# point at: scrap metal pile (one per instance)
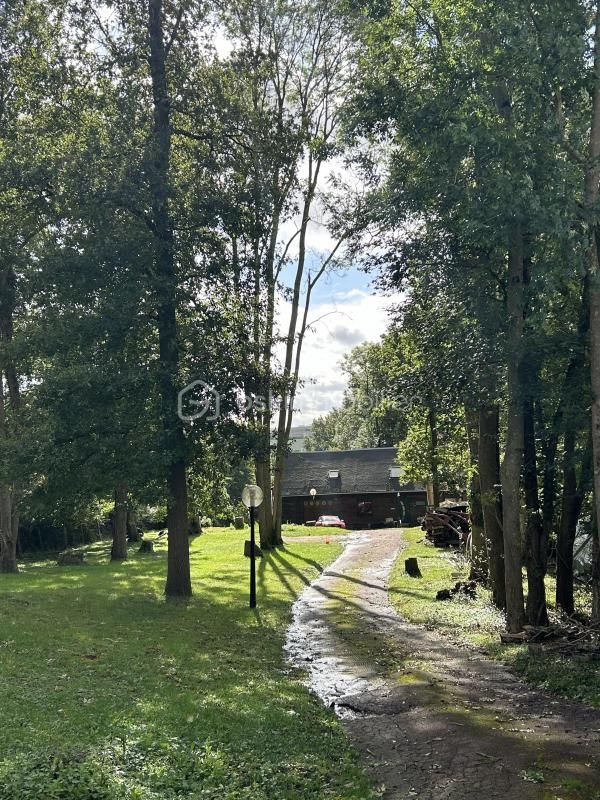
(448, 525)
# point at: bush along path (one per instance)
(433, 720)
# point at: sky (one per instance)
(345, 308)
(347, 311)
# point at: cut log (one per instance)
(513, 638)
(70, 558)
(411, 565)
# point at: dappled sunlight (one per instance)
(95, 654)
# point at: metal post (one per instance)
(252, 561)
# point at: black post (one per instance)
(252, 561)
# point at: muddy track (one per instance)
(432, 720)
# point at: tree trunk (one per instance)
(179, 582)
(489, 479)
(592, 177)
(549, 467)
(595, 570)
(572, 501)
(433, 456)
(9, 399)
(595, 374)
(513, 454)
(9, 510)
(565, 409)
(178, 565)
(291, 366)
(536, 542)
(265, 511)
(479, 557)
(133, 531)
(567, 527)
(9, 527)
(119, 543)
(278, 476)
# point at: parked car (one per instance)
(328, 521)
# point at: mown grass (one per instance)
(478, 623)
(311, 530)
(108, 691)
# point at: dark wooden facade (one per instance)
(360, 486)
(351, 508)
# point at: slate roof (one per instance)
(360, 472)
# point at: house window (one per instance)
(365, 508)
(334, 481)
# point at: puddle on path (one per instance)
(450, 732)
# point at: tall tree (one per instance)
(165, 286)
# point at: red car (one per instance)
(330, 522)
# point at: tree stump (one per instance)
(70, 558)
(134, 534)
(411, 565)
(146, 546)
(257, 550)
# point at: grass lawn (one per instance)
(478, 622)
(311, 530)
(109, 692)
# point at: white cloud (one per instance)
(338, 325)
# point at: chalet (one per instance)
(363, 487)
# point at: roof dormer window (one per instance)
(333, 480)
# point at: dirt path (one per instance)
(432, 720)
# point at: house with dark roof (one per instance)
(363, 487)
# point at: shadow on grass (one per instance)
(94, 659)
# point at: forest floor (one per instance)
(433, 719)
(108, 692)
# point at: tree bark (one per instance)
(595, 375)
(119, 543)
(564, 412)
(572, 501)
(265, 510)
(489, 479)
(595, 571)
(133, 531)
(178, 564)
(591, 187)
(9, 399)
(513, 454)
(549, 467)
(433, 455)
(479, 556)
(9, 527)
(291, 365)
(536, 557)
